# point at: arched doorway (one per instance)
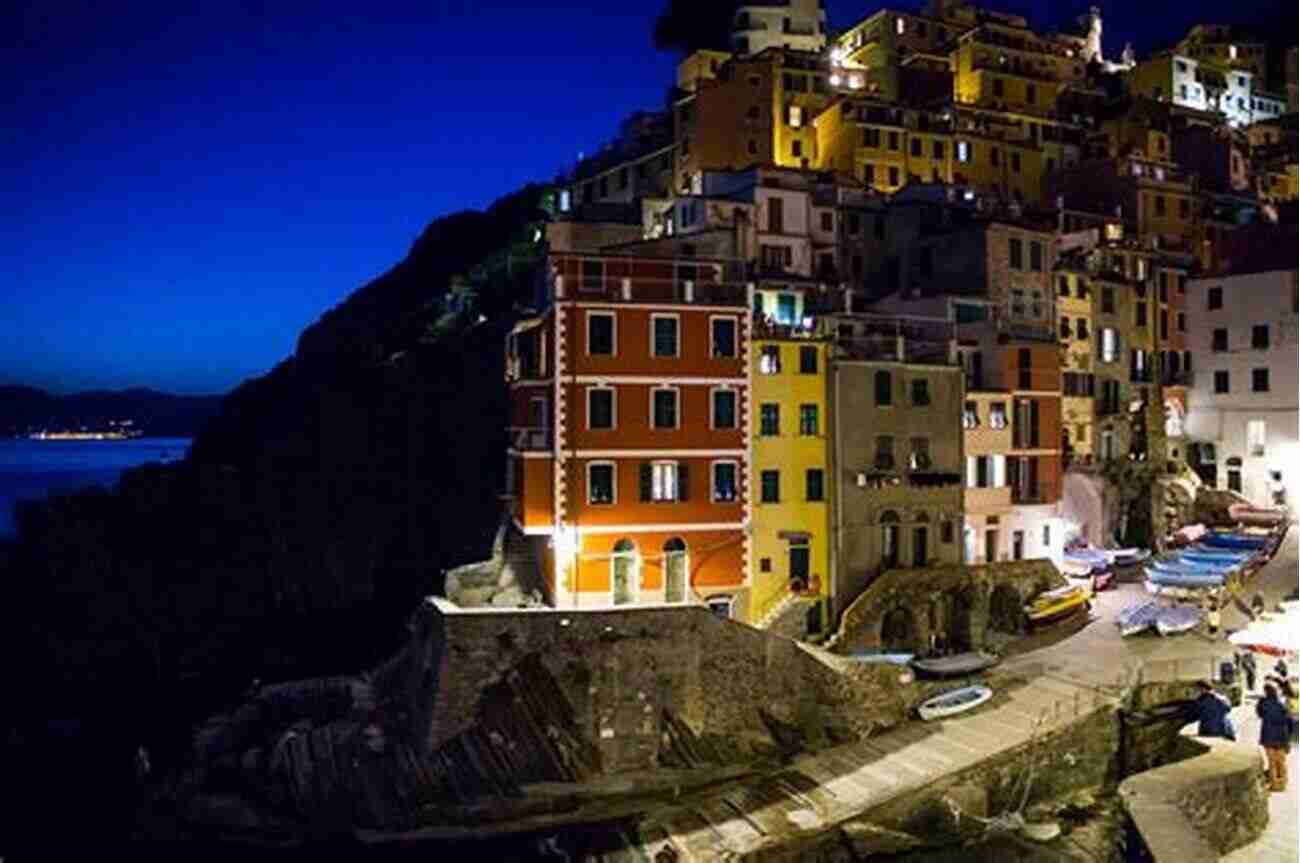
(898, 630)
(921, 541)
(959, 614)
(675, 569)
(1005, 614)
(625, 573)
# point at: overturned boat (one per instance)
(1137, 618)
(957, 664)
(1057, 604)
(1177, 619)
(954, 701)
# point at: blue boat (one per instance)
(1176, 619)
(1215, 555)
(1177, 579)
(1234, 541)
(1193, 567)
(1137, 618)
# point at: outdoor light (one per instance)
(835, 80)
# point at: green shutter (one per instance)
(683, 481)
(647, 482)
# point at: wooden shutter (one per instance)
(647, 481)
(683, 481)
(1033, 422)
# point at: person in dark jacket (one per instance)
(1212, 711)
(1274, 735)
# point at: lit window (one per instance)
(998, 415)
(970, 416)
(663, 482)
(600, 483)
(769, 362)
(963, 151)
(1109, 345)
(724, 481)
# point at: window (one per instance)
(1047, 536)
(593, 275)
(1259, 380)
(667, 483)
(765, 564)
(769, 362)
(600, 408)
(808, 420)
(869, 174)
(796, 148)
(998, 415)
(1081, 329)
(1160, 205)
(893, 175)
(600, 334)
(963, 151)
(884, 389)
(884, 452)
(775, 216)
(664, 342)
(1109, 344)
(1108, 300)
(769, 421)
(893, 141)
(916, 147)
(600, 483)
(998, 87)
(1221, 383)
(770, 481)
(814, 484)
(937, 150)
(920, 392)
(1234, 479)
(1140, 314)
(724, 409)
(1063, 283)
(1182, 322)
(1036, 256)
(1259, 337)
(1219, 340)
(807, 360)
(1065, 328)
(946, 531)
(1015, 162)
(724, 337)
(970, 416)
(889, 539)
(1256, 437)
(995, 156)
(724, 481)
(1214, 299)
(828, 220)
(664, 408)
(919, 459)
(1164, 324)
(1017, 252)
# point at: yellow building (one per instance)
(883, 145)
(791, 484)
(1074, 313)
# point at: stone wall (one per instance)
(622, 669)
(902, 608)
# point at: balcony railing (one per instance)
(640, 290)
(530, 438)
(1028, 495)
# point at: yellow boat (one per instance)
(1056, 604)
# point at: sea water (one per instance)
(35, 468)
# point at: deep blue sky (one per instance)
(185, 189)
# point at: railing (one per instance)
(529, 438)
(1033, 495)
(766, 329)
(641, 290)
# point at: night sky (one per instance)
(187, 186)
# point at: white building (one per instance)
(1202, 86)
(1242, 333)
(797, 24)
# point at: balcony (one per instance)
(765, 328)
(875, 478)
(529, 438)
(685, 291)
(1028, 496)
(990, 498)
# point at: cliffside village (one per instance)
(911, 295)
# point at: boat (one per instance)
(1259, 516)
(1175, 579)
(1234, 541)
(1055, 604)
(1177, 567)
(1075, 569)
(959, 663)
(881, 658)
(1169, 592)
(1211, 555)
(1189, 534)
(1086, 557)
(1128, 556)
(1137, 618)
(1177, 619)
(954, 701)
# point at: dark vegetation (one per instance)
(24, 409)
(315, 509)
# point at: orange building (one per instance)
(629, 403)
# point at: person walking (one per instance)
(1212, 713)
(1274, 736)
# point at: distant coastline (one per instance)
(27, 412)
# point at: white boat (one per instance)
(1137, 618)
(1176, 619)
(954, 701)
(1127, 556)
(959, 663)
